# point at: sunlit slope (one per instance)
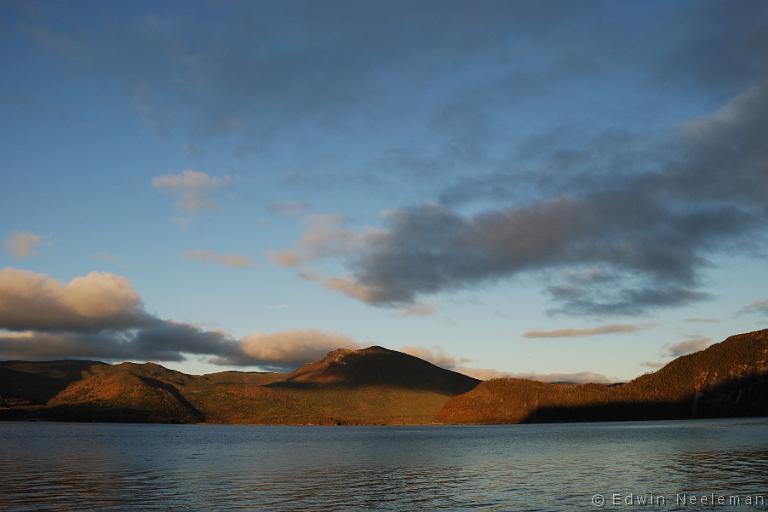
(380, 386)
(727, 379)
(369, 386)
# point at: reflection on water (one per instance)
(58, 466)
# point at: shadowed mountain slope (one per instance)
(380, 386)
(369, 386)
(725, 380)
(377, 366)
(36, 382)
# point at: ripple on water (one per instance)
(59, 466)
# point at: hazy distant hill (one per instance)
(381, 386)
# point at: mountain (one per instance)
(380, 386)
(377, 366)
(34, 383)
(728, 379)
(367, 386)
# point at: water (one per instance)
(66, 466)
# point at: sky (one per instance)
(550, 189)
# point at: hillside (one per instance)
(380, 386)
(725, 380)
(377, 366)
(368, 386)
(34, 383)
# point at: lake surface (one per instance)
(68, 466)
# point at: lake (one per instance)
(70, 466)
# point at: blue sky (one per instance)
(254, 183)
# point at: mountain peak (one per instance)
(376, 365)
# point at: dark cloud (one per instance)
(756, 307)
(160, 341)
(648, 234)
(100, 316)
(255, 70)
(258, 69)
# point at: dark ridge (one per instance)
(376, 366)
(36, 382)
(171, 390)
(381, 386)
(735, 398)
(727, 379)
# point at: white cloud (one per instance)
(290, 349)
(435, 355)
(420, 309)
(94, 301)
(192, 189)
(228, 260)
(594, 331)
(577, 378)
(22, 245)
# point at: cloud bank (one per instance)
(575, 378)
(632, 240)
(101, 316)
(577, 333)
(439, 357)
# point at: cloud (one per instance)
(757, 307)
(285, 258)
(693, 344)
(22, 245)
(594, 331)
(324, 236)
(228, 260)
(702, 320)
(157, 341)
(423, 309)
(576, 378)
(192, 189)
(653, 365)
(648, 231)
(435, 355)
(439, 357)
(287, 350)
(288, 208)
(101, 316)
(351, 288)
(98, 300)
